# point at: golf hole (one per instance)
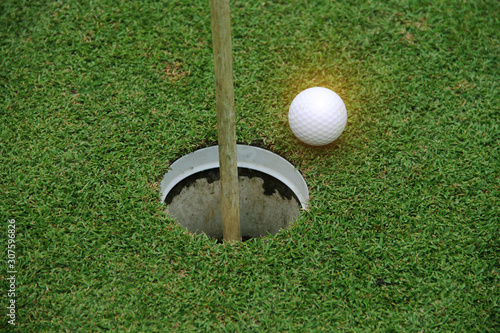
(272, 192)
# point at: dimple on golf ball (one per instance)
(317, 116)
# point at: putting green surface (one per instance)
(98, 98)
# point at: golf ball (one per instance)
(317, 116)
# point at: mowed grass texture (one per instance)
(98, 98)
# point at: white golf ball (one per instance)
(317, 116)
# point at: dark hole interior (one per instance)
(271, 187)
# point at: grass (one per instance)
(402, 231)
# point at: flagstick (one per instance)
(223, 63)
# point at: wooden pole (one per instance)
(226, 123)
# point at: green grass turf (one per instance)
(97, 98)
